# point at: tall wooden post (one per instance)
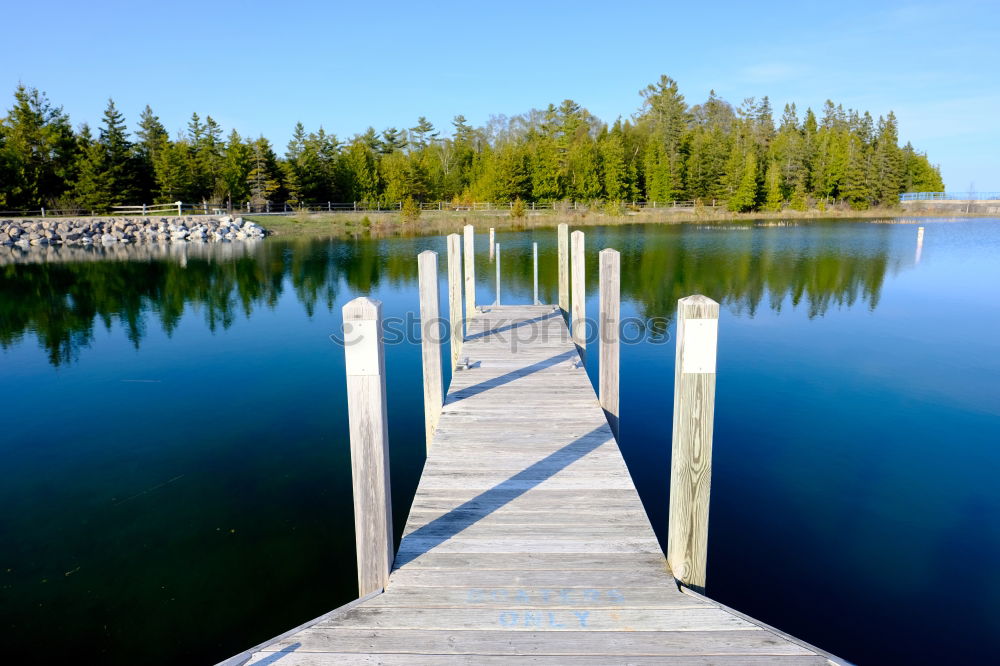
(609, 324)
(470, 271)
(455, 296)
(563, 242)
(920, 244)
(578, 322)
(430, 340)
(364, 358)
(691, 450)
(534, 263)
(492, 242)
(498, 274)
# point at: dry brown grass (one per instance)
(385, 224)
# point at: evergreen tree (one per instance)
(117, 163)
(92, 189)
(236, 168)
(38, 151)
(745, 197)
(774, 196)
(667, 116)
(263, 182)
(173, 170)
(151, 136)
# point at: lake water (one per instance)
(176, 477)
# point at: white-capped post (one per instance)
(562, 233)
(578, 322)
(691, 449)
(455, 296)
(470, 270)
(609, 325)
(364, 358)
(430, 340)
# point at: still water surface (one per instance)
(176, 477)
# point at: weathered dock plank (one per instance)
(526, 540)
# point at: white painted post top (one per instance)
(362, 336)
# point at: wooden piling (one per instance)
(563, 258)
(691, 457)
(498, 273)
(456, 320)
(609, 324)
(578, 322)
(534, 263)
(430, 340)
(364, 358)
(492, 242)
(920, 244)
(470, 271)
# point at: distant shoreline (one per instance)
(382, 224)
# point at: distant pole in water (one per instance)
(364, 359)
(470, 271)
(492, 242)
(498, 274)
(562, 232)
(578, 323)
(920, 244)
(430, 340)
(609, 325)
(691, 449)
(534, 255)
(455, 296)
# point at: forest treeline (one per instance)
(667, 151)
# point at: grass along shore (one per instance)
(379, 225)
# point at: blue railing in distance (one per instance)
(950, 196)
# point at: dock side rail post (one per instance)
(609, 328)
(430, 340)
(455, 317)
(691, 448)
(534, 263)
(578, 322)
(563, 259)
(470, 270)
(364, 360)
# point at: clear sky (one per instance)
(262, 66)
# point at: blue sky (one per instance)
(260, 67)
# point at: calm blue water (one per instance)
(176, 465)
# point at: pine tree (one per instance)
(262, 182)
(774, 196)
(236, 167)
(422, 133)
(173, 169)
(667, 116)
(92, 188)
(151, 136)
(745, 197)
(118, 162)
(39, 151)
(613, 170)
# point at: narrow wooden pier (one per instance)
(526, 540)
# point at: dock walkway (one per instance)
(526, 540)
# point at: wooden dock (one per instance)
(526, 540)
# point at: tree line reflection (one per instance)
(59, 298)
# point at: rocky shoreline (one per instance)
(125, 230)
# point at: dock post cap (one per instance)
(362, 307)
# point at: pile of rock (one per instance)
(108, 231)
